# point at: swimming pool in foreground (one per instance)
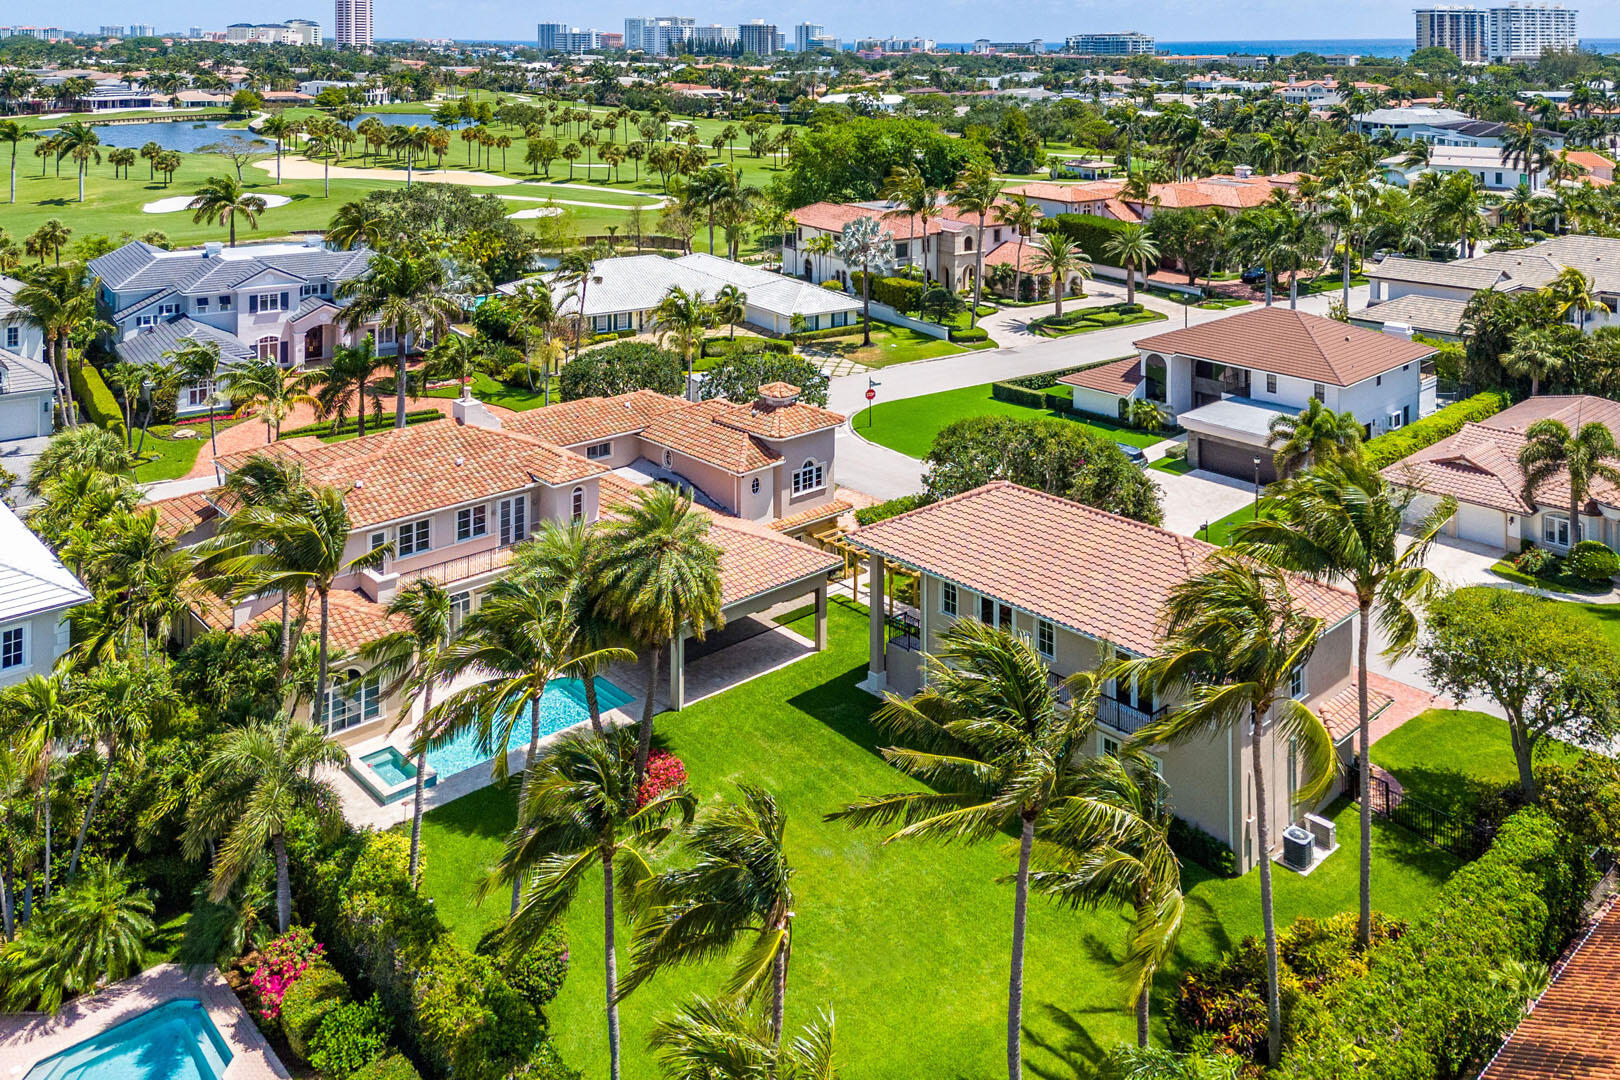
(561, 707)
(173, 1041)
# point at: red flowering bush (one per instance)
(281, 962)
(665, 772)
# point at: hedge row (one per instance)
(1090, 231)
(720, 346)
(1042, 380)
(97, 398)
(352, 425)
(1435, 1003)
(867, 515)
(970, 334)
(902, 294)
(830, 332)
(1190, 842)
(1392, 446)
(1013, 394)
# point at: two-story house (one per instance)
(1088, 587)
(27, 384)
(36, 591)
(1226, 380)
(268, 300)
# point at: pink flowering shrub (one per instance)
(665, 772)
(281, 962)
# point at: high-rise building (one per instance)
(112, 31)
(635, 33)
(291, 32)
(1128, 44)
(1522, 32)
(807, 36)
(546, 36)
(895, 45)
(713, 38)
(194, 32)
(142, 30)
(351, 24)
(663, 35)
(574, 40)
(1461, 30)
(303, 32)
(759, 37)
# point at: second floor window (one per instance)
(13, 337)
(1296, 682)
(1319, 392)
(13, 648)
(947, 599)
(809, 477)
(1271, 383)
(414, 538)
(599, 450)
(1045, 638)
(514, 519)
(270, 301)
(471, 521)
(577, 507)
(202, 305)
(224, 303)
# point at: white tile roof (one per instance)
(639, 282)
(32, 580)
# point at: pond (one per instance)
(187, 136)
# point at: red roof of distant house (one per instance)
(1120, 377)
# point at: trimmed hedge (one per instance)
(1090, 231)
(720, 346)
(388, 1067)
(1190, 842)
(1013, 394)
(97, 398)
(868, 515)
(970, 334)
(316, 992)
(1042, 380)
(1433, 1004)
(1392, 446)
(902, 294)
(351, 425)
(832, 331)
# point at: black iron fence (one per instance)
(1436, 827)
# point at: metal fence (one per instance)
(1436, 827)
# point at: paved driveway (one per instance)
(1193, 500)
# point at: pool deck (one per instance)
(26, 1039)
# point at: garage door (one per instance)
(19, 418)
(1482, 525)
(1234, 459)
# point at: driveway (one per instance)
(1193, 500)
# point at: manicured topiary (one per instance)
(351, 1036)
(318, 991)
(1593, 561)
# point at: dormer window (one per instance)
(809, 477)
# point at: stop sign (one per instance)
(870, 394)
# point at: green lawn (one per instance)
(890, 345)
(1087, 326)
(491, 392)
(1452, 758)
(167, 459)
(1178, 465)
(910, 424)
(1559, 581)
(907, 942)
(1219, 532)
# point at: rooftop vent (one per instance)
(778, 394)
(212, 249)
(1243, 172)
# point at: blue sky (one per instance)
(950, 20)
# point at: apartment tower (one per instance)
(352, 24)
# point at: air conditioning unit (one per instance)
(1392, 421)
(1298, 848)
(1324, 832)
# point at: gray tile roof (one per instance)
(1428, 314)
(31, 578)
(1466, 274)
(148, 346)
(139, 266)
(639, 282)
(24, 375)
(8, 292)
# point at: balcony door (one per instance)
(1132, 692)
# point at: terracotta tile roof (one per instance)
(1120, 377)
(1103, 575)
(694, 431)
(1292, 343)
(1090, 191)
(1573, 1030)
(778, 421)
(1226, 192)
(400, 472)
(353, 620)
(572, 423)
(1341, 713)
(1589, 160)
(182, 514)
(832, 217)
(1008, 254)
(812, 515)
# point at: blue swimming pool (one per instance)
(562, 707)
(174, 1041)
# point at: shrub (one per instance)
(1593, 561)
(1434, 1004)
(307, 1001)
(1535, 561)
(665, 772)
(97, 399)
(1190, 842)
(1091, 231)
(620, 369)
(902, 294)
(721, 346)
(970, 334)
(522, 375)
(832, 285)
(1392, 446)
(537, 974)
(281, 962)
(1018, 395)
(1044, 379)
(868, 515)
(495, 321)
(352, 425)
(351, 1035)
(469, 1021)
(388, 1067)
(546, 1065)
(739, 378)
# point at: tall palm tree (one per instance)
(908, 188)
(407, 662)
(282, 130)
(342, 383)
(1055, 255)
(531, 304)
(576, 273)
(990, 739)
(976, 192)
(739, 887)
(1023, 216)
(1110, 844)
(260, 381)
(682, 315)
(659, 576)
(579, 806)
(1573, 291)
(867, 248)
(11, 131)
(1525, 146)
(195, 360)
(58, 300)
(402, 290)
(78, 140)
(1553, 453)
(1341, 521)
(41, 715)
(1132, 247)
(257, 779)
(1233, 637)
(729, 308)
(721, 1040)
(1264, 235)
(1316, 434)
(223, 199)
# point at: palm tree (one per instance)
(257, 779)
(41, 716)
(730, 307)
(195, 360)
(1055, 255)
(531, 304)
(714, 194)
(1112, 846)
(1525, 146)
(457, 356)
(721, 1040)
(13, 132)
(95, 934)
(1573, 291)
(580, 806)
(1552, 453)
(1263, 235)
(1341, 521)
(989, 738)
(407, 661)
(1132, 247)
(976, 192)
(402, 290)
(1023, 216)
(280, 129)
(58, 301)
(683, 316)
(356, 224)
(78, 140)
(659, 576)
(222, 199)
(261, 480)
(868, 248)
(343, 383)
(576, 273)
(1316, 434)
(738, 887)
(261, 383)
(1233, 638)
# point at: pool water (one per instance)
(174, 1041)
(391, 766)
(561, 707)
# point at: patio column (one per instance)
(677, 672)
(821, 617)
(876, 666)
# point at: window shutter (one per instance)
(283, 301)
(253, 303)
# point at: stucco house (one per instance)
(1088, 587)
(1227, 379)
(27, 384)
(36, 592)
(1479, 467)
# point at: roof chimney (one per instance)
(1243, 172)
(777, 395)
(1400, 330)
(212, 249)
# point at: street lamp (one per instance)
(1257, 489)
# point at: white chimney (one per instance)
(1397, 329)
(212, 249)
(1243, 172)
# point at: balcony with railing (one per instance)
(461, 567)
(1125, 717)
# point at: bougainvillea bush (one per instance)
(665, 772)
(281, 962)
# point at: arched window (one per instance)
(668, 459)
(268, 348)
(967, 243)
(808, 478)
(1157, 379)
(579, 504)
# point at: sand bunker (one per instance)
(176, 203)
(537, 212)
